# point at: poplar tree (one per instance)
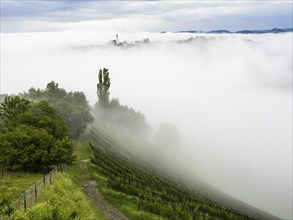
(103, 87)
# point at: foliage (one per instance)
(42, 115)
(10, 109)
(103, 87)
(73, 107)
(5, 208)
(33, 137)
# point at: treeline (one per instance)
(110, 111)
(37, 128)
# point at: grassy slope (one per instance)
(65, 199)
(14, 183)
(128, 205)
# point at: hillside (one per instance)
(157, 192)
(116, 171)
(129, 183)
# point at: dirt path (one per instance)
(90, 187)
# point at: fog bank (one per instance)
(230, 96)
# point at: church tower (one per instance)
(117, 40)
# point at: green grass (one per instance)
(75, 174)
(126, 204)
(13, 184)
(63, 200)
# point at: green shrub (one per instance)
(5, 208)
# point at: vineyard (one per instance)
(156, 193)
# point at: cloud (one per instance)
(172, 15)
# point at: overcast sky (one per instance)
(152, 16)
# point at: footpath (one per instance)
(90, 188)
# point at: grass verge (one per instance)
(62, 200)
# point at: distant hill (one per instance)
(220, 32)
(274, 30)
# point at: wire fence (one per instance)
(31, 194)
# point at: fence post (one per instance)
(50, 178)
(36, 192)
(24, 200)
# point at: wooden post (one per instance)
(24, 201)
(36, 192)
(50, 178)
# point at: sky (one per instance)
(149, 16)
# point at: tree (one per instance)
(76, 117)
(103, 87)
(35, 138)
(53, 91)
(10, 109)
(73, 107)
(42, 115)
(30, 148)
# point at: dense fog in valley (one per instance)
(228, 97)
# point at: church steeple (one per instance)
(117, 40)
